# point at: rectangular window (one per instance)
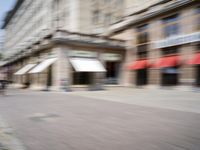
(142, 51)
(108, 19)
(171, 30)
(142, 36)
(142, 28)
(142, 41)
(169, 51)
(198, 18)
(171, 26)
(95, 17)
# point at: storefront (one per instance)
(165, 37)
(169, 70)
(23, 73)
(85, 64)
(141, 68)
(42, 73)
(85, 70)
(112, 62)
(170, 76)
(68, 63)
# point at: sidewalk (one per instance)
(180, 100)
(7, 138)
(167, 98)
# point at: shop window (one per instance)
(112, 69)
(169, 51)
(82, 78)
(171, 26)
(170, 76)
(142, 77)
(198, 47)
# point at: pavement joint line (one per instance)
(8, 141)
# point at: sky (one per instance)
(5, 5)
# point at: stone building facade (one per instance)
(31, 20)
(157, 44)
(63, 60)
(163, 44)
(37, 57)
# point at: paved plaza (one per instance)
(114, 119)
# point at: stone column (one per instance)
(62, 69)
(34, 77)
(127, 77)
(155, 34)
(98, 77)
(187, 72)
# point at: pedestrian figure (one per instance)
(2, 87)
(3, 83)
(65, 85)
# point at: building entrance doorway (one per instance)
(197, 75)
(81, 78)
(112, 72)
(169, 76)
(141, 77)
(49, 77)
(27, 82)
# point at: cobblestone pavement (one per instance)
(104, 120)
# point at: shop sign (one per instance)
(178, 40)
(111, 57)
(84, 54)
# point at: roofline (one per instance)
(11, 13)
(53, 41)
(150, 15)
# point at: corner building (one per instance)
(50, 45)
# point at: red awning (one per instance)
(169, 61)
(195, 60)
(139, 64)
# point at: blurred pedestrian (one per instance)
(3, 83)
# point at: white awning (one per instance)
(25, 69)
(87, 65)
(43, 65)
